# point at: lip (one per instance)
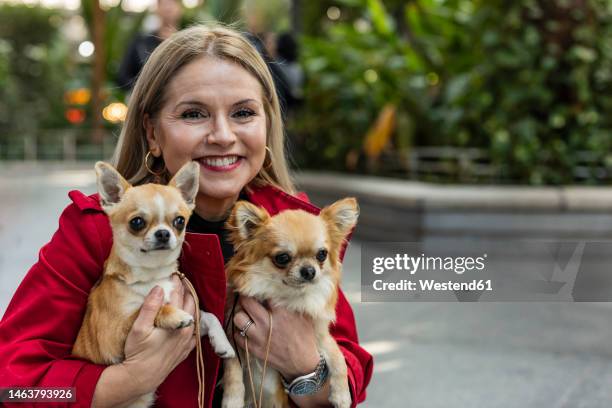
(297, 284)
(155, 248)
(207, 162)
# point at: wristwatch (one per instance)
(308, 384)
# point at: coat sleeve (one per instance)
(44, 316)
(358, 361)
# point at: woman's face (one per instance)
(213, 114)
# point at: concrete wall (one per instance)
(398, 210)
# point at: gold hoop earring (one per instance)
(269, 158)
(146, 163)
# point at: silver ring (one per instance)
(243, 331)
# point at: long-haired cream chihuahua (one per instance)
(148, 223)
(289, 260)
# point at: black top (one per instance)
(202, 226)
(199, 225)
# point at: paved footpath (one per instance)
(429, 355)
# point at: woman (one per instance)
(206, 95)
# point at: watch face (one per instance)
(306, 387)
(311, 385)
(308, 384)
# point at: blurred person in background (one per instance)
(281, 82)
(169, 13)
(286, 54)
(260, 36)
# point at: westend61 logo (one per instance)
(412, 264)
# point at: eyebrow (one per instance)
(198, 103)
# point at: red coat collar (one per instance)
(269, 197)
(275, 200)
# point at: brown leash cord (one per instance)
(265, 364)
(199, 354)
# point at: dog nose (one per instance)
(162, 235)
(307, 272)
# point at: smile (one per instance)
(220, 163)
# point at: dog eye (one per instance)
(179, 223)
(281, 260)
(322, 255)
(137, 223)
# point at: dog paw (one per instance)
(233, 401)
(172, 318)
(177, 320)
(226, 353)
(185, 323)
(183, 319)
(222, 347)
(340, 398)
(218, 339)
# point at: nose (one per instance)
(222, 133)
(307, 273)
(162, 236)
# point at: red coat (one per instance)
(43, 318)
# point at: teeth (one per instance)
(222, 161)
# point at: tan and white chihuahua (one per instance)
(148, 224)
(289, 260)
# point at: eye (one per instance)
(243, 113)
(282, 260)
(179, 223)
(322, 255)
(192, 114)
(137, 224)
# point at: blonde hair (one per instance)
(148, 97)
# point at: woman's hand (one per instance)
(151, 353)
(293, 348)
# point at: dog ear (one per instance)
(246, 218)
(186, 180)
(111, 185)
(342, 215)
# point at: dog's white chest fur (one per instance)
(143, 288)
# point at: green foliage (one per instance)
(225, 11)
(354, 70)
(529, 81)
(538, 88)
(120, 28)
(31, 69)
